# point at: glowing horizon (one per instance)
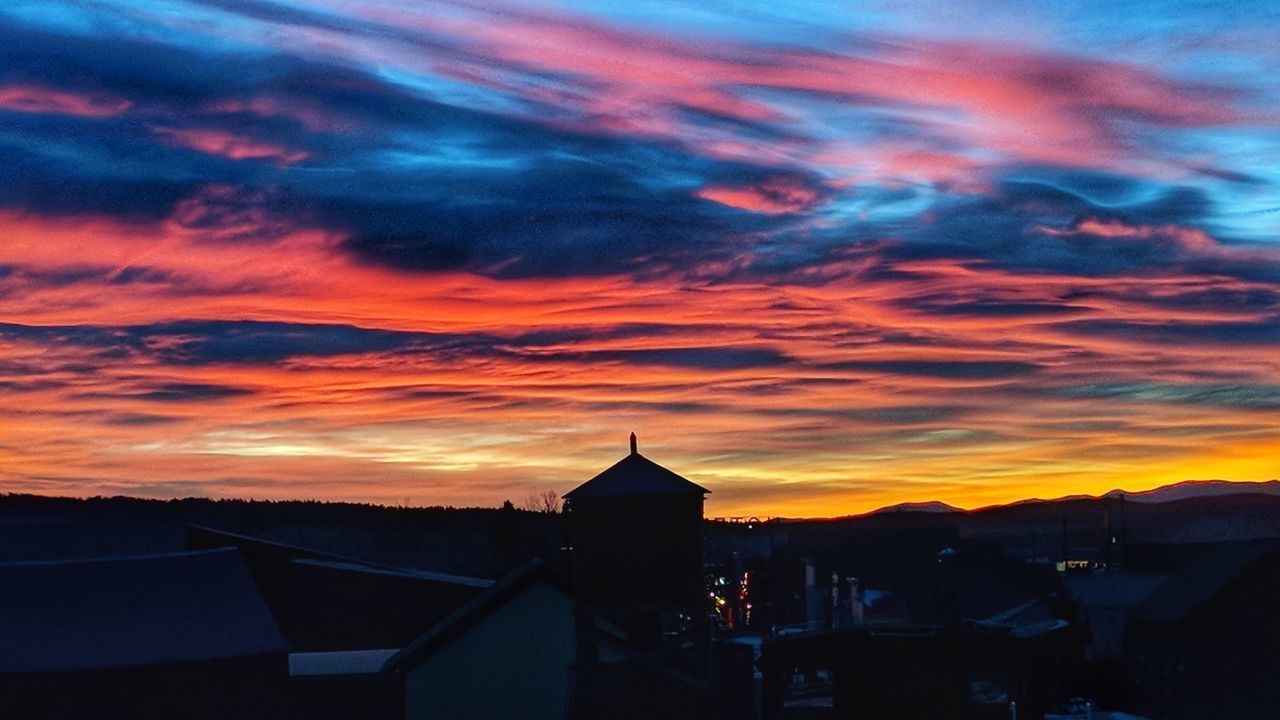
(447, 253)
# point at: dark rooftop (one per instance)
(407, 574)
(1113, 590)
(465, 617)
(636, 474)
(128, 612)
(1193, 585)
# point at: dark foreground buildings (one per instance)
(637, 607)
(165, 636)
(1206, 642)
(620, 632)
(635, 542)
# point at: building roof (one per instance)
(343, 662)
(1104, 603)
(128, 612)
(1206, 576)
(200, 537)
(1113, 590)
(404, 574)
(635, 474)
(467, 616)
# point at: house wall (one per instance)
(512, 664)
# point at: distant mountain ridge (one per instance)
(1200, 488)
(1185, 490)
(1200, 511)
(934, 506)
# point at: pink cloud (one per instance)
(1004, 103)
(312, 118)
(1192, 240)
(229, 145)
(775, 196)
(38, 99)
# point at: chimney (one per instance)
(633, 444)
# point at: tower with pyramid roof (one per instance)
(636, 534)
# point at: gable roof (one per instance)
(127, 612)
(1193, 585)
(341, 662)
(635, 474)
(480, 607)
(361, 568)
(257, 549)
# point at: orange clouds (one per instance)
(446, 251)
(884, 398)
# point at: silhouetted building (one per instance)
(1206, 643)
(163, 636)
(509, 653)
(1102, 604)
(917, 672)
(643, 611)
(325, 602)
(636, 534)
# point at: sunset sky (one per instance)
(820, 257)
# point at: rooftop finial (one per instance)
(633, 444)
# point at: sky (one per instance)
(820, 257)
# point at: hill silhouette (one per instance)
(485, 542)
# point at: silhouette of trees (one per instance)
(542, 501)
